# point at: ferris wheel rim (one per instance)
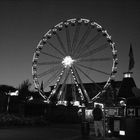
(59, 26)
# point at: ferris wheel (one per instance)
(71, 54)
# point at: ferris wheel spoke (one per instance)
(63, 85)
(56, 86)
(49, 43)
(49, 63)
(45, 53)
(89, 44)
(81, 83)
(68, 40)
(95, 50)
(76, 81)
(83, 39)
(52, 78)
(90, 68)
(49, 71)
(61, 43)
(89, 77)
(95, 59)
(73, 89)
(76, 36)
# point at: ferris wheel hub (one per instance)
(68, 61)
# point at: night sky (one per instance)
(24, 22)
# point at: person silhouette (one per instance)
(98, 123)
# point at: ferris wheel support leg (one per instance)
(82, 86)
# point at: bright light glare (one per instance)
(31, 98)
(109, 131)
(67, 61)
(122, 132)
(76, 103)
(127, 74)
(13, 93)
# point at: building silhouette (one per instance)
(127, 84)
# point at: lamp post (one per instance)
(9, 94)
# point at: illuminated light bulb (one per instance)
(76, 103)
(109, 131)
(48, 36)
(53, 91)
(122, 132)
(99, 28)
(127, 74)
(66, 24)
(104, 33)
(62, 103)
(71, 71)
(48, 101)
(68, 61)
(54, 30)
(113, 45)
(45, 101)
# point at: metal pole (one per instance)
(8, 104)
(104, 126)
(83, 113)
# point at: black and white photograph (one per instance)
(69, 69)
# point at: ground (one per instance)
(52, 132)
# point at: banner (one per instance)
(131, 58)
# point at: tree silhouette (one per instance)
(6, 88)
(24, 90)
